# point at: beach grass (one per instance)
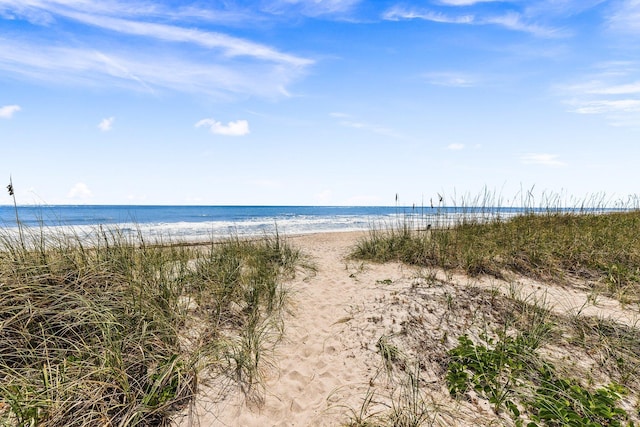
(119, 331)
(598, 249)
(532, 366)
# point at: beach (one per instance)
(328, 369)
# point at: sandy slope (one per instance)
(328, 360)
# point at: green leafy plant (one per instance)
(492, 372)
(511, 376)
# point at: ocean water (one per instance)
(205, 222)
(202, 222)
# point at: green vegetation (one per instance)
(117, 331)
(600, 249)
(511, 376)
(532, 367)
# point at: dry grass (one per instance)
(507, 357)
(93, 333)
(601, 249)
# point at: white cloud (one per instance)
(347, 120)
(450, 79)
(8, 111)
(613, 92)
(315, 7)
(144, 70)
(624, 89)
(560, 8)
(465, 2)
(230, 46)
(608, 106)
(45, 10)
(90, 14)
(80, 191)
(455, 147)
(178, 56)
(106, 124)
(542, 159)
(370, 128)
(626, 17)
(511, 21)
(398, 13)
(235, 128)
(514, 21)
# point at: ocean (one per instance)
(201, 222)
(206, 222)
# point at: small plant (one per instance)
(511, 376)
(363, 416)
(389, 352)
(560, 402)
(492, 372)
(409, 408)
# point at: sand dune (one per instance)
(329, 360)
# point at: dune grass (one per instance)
(531, 366)
(600, 249)
(118, 331)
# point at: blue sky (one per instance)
(317, 102)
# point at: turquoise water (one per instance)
(203, 221)
(195, 222)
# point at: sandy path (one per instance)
(325, 362)
(328, 358)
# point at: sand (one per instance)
(328, 360)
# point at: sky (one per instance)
(318, 102)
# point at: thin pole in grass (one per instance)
(15, 208)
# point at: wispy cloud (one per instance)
(613, 92)
(511, 20)
(45, 11)
(8, 111)
(228, 45)
(398, 13)
(604, 106)
(451, 79)
(313, 7)
(516, 22)
(144, 71)
(177, 54)
(465, 2)
(349, 121)
(455, 147)
(542, 159)
(80, 191)
(106, 124)
(625, 16)
(234, 128)
(624, 89)
(560, 8)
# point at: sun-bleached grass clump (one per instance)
(95, 333)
